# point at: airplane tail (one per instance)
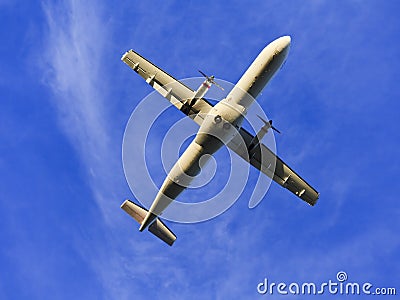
(158, 228)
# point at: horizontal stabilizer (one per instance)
(158, 228)
(135, 211)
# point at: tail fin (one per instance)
(158, 228)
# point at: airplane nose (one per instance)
(283, 43)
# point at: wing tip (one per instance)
(312, 201)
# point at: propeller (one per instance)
(269, 124)
(211, 79)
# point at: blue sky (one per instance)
(66, 98)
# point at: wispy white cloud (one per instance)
(73, 55)
(73, 63)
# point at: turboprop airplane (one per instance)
(219, 125)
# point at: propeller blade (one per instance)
(275, 129)
(203, 74)
(265, 122)
(217, 85)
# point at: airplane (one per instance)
(219, 125)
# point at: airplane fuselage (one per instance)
(220, 126)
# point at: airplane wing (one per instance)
(261, 158)
(170, 88)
